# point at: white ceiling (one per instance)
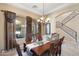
(48, 7)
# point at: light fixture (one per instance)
(47, 19)
(42, 18)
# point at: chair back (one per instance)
(24, 47)
(61, 40)
(55, 35)
(60, 44)
(54, 48)
(39, 37)
(18, 50)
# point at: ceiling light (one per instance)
(42, 19)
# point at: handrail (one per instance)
(64, 13)
(68, 30)
(71, 34)
(71, 16)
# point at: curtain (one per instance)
(39, 28)
(9, 29)
(28, 29)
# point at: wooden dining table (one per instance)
(40, 50)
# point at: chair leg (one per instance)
(25, 49)
(56, 54)
(60, 52)
(53, 54)
(49, 53)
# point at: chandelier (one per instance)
(43, 18)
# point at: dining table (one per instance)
(38, 48)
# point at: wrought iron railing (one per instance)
(71, 16)
(68, 30)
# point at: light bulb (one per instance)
(38, 20)
(47, 19)
(42, 18)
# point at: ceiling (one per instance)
(38, 7)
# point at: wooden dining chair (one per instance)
(60, 44)
(18, 50)
(39, 37)
(53, 49)
(24, 47)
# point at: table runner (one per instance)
(35, 44)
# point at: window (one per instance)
(20, 28)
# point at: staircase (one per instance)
(65, 28)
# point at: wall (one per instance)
(2, 30)
(53, 23)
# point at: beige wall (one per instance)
(1, 31)
(53, 23)
(19, 12)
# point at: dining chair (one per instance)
(60, 44)
(18, 50)
(55, 35)
(39, 37)
(24, 47)
(53, 49)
